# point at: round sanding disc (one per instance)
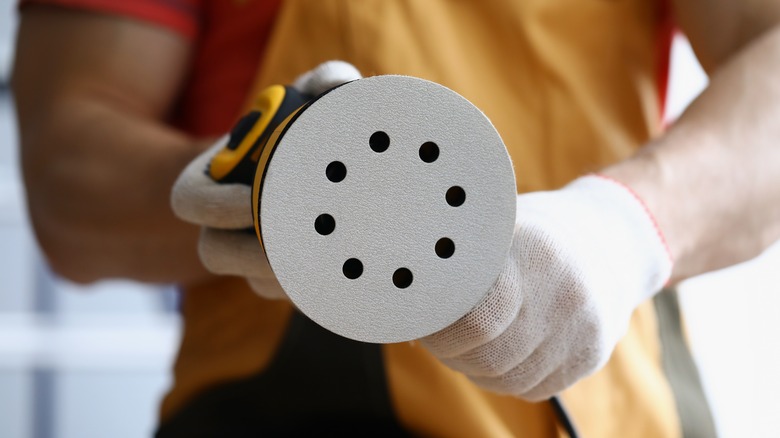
(387, 208)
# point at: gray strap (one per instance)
(694, 412)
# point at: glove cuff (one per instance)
(629, 218)
(649, 213)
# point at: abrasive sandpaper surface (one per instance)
(410, 225)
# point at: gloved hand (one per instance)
(224, 210)
(582, 259)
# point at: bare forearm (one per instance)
(92, 92)
(102, 209)
(713, 181)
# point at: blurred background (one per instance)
(83, 362)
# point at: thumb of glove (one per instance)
(326, 76)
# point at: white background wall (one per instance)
(93, 362)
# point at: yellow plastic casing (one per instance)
(267, 103)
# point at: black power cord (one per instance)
(563, 417)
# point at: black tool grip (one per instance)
(244, 170)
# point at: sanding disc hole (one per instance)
(455, 196)
(379, 141)
(324, 224)
(445, 248)
(402, 278)
(429, 152)
(352, 269)
(336, 171)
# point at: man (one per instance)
(115, 99)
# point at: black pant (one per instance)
(318, 384)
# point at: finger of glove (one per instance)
(544, 315)
(557, 381)
(326, 76)
(530, 379)
(486, 322)
(554, 384)
(543, 375)
(198, 199)
(237, 253)
(268, 288)
(496, 357)
(566, 355)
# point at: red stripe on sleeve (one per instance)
(664, 36)
(181, 16)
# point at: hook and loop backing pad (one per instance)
(387, 208)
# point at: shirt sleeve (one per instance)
(181, 16)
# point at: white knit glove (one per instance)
(582, 259)
(224, 210)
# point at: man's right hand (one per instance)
(224, 210)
